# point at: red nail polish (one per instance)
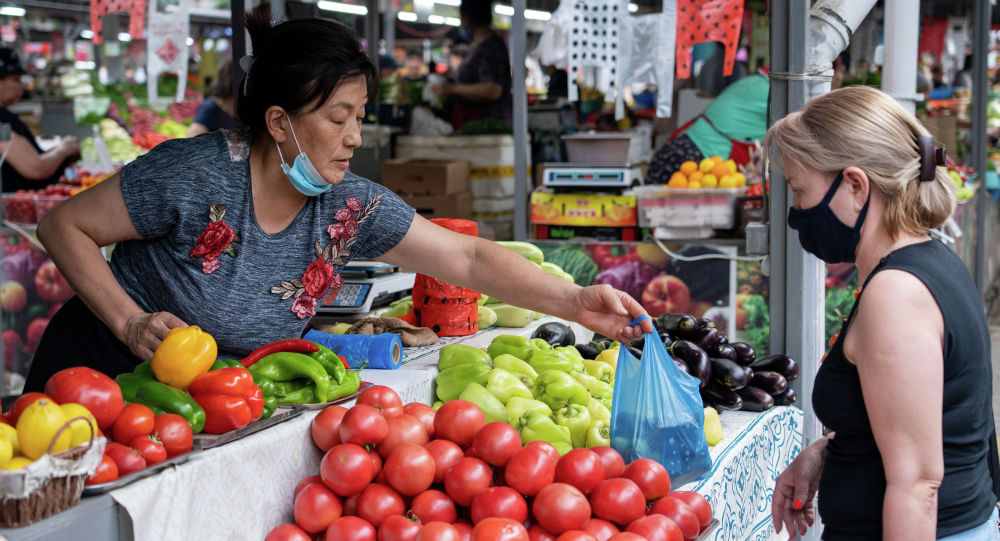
(797, 505)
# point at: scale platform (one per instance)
(367, 284)
(585, 175)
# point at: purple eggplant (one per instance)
(786, 398)
(678, 325)
(722, 339)
(705, 322)
(745, 355)
(588, 351)
(555, 333)
(782, 364)
(705, 337)
(666, 339)
(729, 374)
(755, 399)
(722, 351)
(695, 358)
(719, 396)
(636, 352)
(682, 367)
(771, 382)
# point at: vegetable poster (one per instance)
(166, 47)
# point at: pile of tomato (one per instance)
(403, 473)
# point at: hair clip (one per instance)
(930, 157)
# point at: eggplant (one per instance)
(729, 374)
(588, 351)
(718, 395)
(678, 324)
(722, 351)
(769, 381)
(705, 337)
(722, 339)
(638, 343)
(782, 364)
(637, 353)
(705, 322)
(682, 367)
(745, 355)
(666, 339)
(755, 399)
(786, 398)
(555, 333)
(695, 358)
(658, 326)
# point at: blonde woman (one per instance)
(905, 390)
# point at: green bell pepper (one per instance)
(452, 381)
(603, 393)
(225, 363)
(510, 344)
(286, 366)
(454, 355)
(600, 370)
(285, 387)
(505, 386)
(577, 419)
(597, 410)
(478, 395)
(437, 405)
(304, 395)
(167, 399)
(517, 407)
(516, 366)
(330, 362)
(129, 382)
(587, 381)
(570, 352)
(599, 434)
(556, 388)
(535, 426)
(539, 344)
(542, 360)
(144, 369)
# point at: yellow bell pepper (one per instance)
(186, 353)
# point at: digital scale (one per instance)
(584, 175)
(367, 284)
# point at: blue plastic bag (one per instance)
(657, 413)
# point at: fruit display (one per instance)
(711, 172)
(961, 176)
(409, 473)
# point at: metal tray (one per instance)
(703, 536)
(364, 385)
(91, 490)
(208, 441)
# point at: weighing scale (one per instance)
(367, 284)
(586, 175)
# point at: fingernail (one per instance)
(797, 505)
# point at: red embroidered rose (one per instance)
(353, 203)
(215, 238)
(316, 278)
(343, 214)
(337, 281)
(350, 228)
(210, 265)
(304, 306)
(336, 230)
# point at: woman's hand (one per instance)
(69, 146)
(609, 311)
(792, 504)
(144, 332)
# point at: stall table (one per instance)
(242, 489)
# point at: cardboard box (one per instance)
(583, 209)
(442, 206)
(425, 177)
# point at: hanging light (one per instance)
(342, 7)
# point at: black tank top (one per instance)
(852, 486)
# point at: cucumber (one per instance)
(525, 249)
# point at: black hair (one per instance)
(415, 51)
(479, 11)
(297, 64)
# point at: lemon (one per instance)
(17, 463)
(6, 451)
(728, 181)
(732, 166)
(706, 165)
(709, 181)
(713, 427)
(37, 427)
(9, 433)
(78, 428)
(696, 185)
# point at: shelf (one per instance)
(733, 242)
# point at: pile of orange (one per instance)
(712, 172)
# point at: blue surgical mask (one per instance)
(821, 232)
(302, 174)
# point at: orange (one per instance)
(696, 176)
(717, 159)
(720, 170)
(677, 182)
(678, 175)
(706, 165)
(689, 167)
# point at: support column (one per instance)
(980, 97)
(902, 37)
(522, 180)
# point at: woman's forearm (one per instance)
(909, 512)
(477, 91)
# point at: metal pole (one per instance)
(518, 43)
(902, 27)
(237, 9)
(980, 96)
(778, 195)
(372, 28)
(389, 26)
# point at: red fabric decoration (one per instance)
(932, 33)
(699, 21)
(136, 21)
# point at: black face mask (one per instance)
(822, 234)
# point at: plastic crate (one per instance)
(45, 203)
(686, 213)
(20, 208)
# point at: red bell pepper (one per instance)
(229, 397)
(607, 255)
(295, 345)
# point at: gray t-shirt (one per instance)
(205, 259)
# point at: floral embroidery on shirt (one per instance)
(216, 239)
(321, 275)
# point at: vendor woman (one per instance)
(244, 233)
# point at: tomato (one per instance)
(501, 502)
(576, 535)
(439, 531)
(627, 536)
(150, 448)
(468, 477)
(398, 528)
(464, 530)
(378, 502)
(656, 528)
(410, 469)
(288, 532)
(496, 443)
(106, 472)
(434, 506)
(679, 512)
(698, 504)
(537, 533)
(424, 413)
(499, 529)
(24, 401)
(135, 420)
(127, 459)
(382, 398)
(325, 427)
(581, 468)
(306, 481)
(614, 464)
(600, 528)
(350, 529)
(560, 507)
(346, 469)
(458, 421)
(316, 508)
(89, 388)
(351, 505)
(618, 500)
(174, 433)
(651, 477)
(530, 470)
(376, 462)
(363, 425)
(402, 429)
(549, 449)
